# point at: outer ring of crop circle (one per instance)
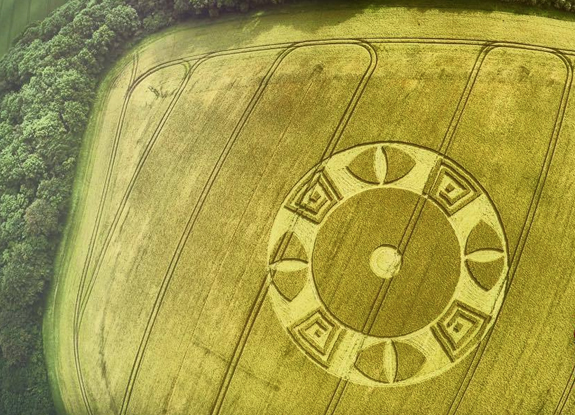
(325, 165)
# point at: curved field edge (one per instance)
(84, 169)
(77, 206)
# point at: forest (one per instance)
(48, 82)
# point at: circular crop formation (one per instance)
(388, 264)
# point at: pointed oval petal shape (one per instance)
(363, 167)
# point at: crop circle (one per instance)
(387, 264)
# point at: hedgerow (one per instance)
(48, 81)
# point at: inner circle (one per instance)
(385, 261)
(404, 292)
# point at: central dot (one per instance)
(385, 261)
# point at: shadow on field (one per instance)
(423, 6)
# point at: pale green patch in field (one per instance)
(15, 15)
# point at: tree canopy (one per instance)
(48, 81)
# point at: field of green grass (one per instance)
(15, 15)
(325, 210)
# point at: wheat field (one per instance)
(325, 211)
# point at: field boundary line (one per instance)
(101, 204)
(336, 397)
(77, 208)
(534, 204)
(75, 329)
(109, 170)
(464, 99)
